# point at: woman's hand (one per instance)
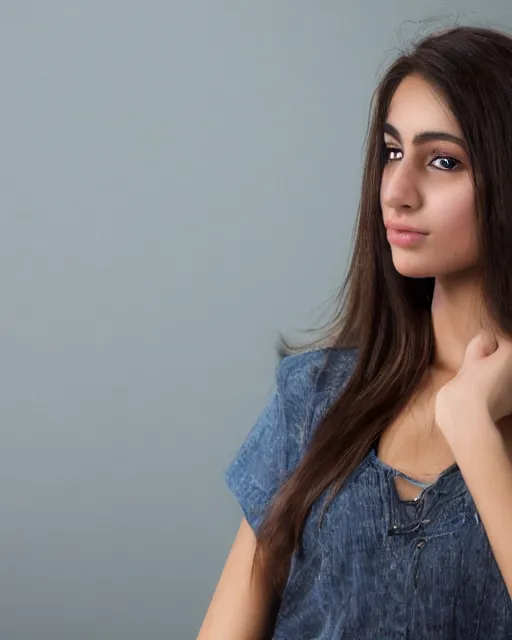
(482, 386)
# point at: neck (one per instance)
(457, 316)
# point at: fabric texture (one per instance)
(378, 567)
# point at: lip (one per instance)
(402, 238)
(398, 226)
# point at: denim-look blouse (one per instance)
(379, 567)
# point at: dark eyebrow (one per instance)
(424, 136)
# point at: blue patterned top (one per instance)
(379, 567)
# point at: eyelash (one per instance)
(437, 156)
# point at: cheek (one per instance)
(454, 227)
(452, 245)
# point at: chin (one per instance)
(410, 269)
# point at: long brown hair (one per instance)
(385, 315)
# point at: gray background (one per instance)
(179, 182)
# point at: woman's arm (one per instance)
(239, 610)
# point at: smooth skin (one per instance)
(239, 610)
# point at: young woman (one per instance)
(376, 485)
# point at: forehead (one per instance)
(417, 106)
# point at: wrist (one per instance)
(471, 426)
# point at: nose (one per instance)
(399, 188)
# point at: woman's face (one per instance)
(427, 186)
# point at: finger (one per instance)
(481, 346)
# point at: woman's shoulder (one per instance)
(307, 383)
(316, 370)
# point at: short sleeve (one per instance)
(278, 440)
(306, 385)
(259, 466)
